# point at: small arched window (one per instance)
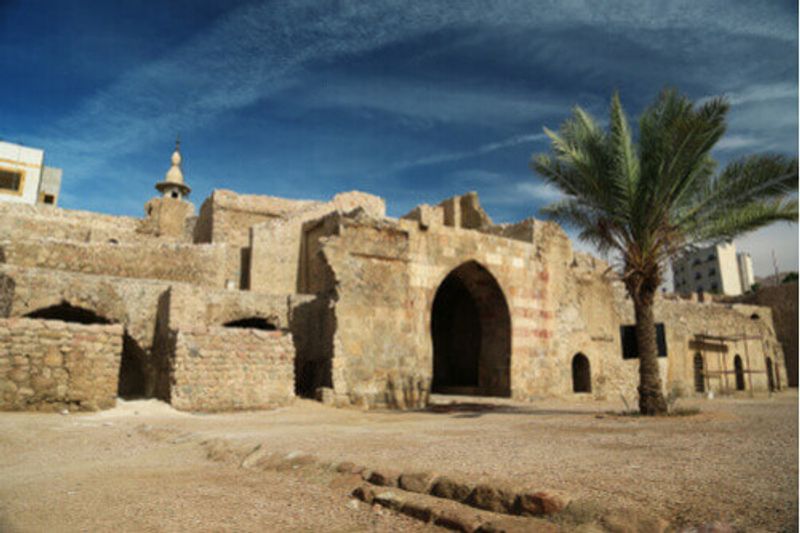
(581, 374)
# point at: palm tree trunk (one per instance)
(651, 398)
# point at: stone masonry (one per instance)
(53, 365)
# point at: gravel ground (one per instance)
(735, 462)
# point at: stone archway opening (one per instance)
(471, 333)
(581, 374)
(68, 313)
(739, 371)
(131, 380)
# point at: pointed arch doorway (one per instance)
(471, 334)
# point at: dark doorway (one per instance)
(739, 370)
(770, 375)
(68, 313)
(253, 322)
(581, 374)
(699, 379)
(471, 331)
(131, 383)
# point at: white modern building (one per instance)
(746, 276)
(24, 178)
(715, 269)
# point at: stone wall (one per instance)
(151, 312)
(219, 369)
(281, 248)
(53, 365)
(196, 264)
(190, 306)
(782, 300)
(22, 221)
(226, 217)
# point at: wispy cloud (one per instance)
(431, 102)
(543, 192)
(447, 157)
(764, 92)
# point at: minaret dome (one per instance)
(173, 185)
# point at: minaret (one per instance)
(173, 185)
(166, 216)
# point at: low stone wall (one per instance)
(52, 365)
(22, 221)
(220, 369)
(197, 264)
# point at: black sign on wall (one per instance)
(630, 348)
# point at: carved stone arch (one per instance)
(471, 333)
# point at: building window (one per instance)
(630, 347)
(710, 257)
(696, 262)
(697, 275)
(11, 181)
(712, 272)
(714, 287)
(49, 199)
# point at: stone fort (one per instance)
(256, 300)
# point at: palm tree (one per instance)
(649, 199)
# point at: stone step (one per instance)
(447, 513)
(496, 498)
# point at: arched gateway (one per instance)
(471, 332)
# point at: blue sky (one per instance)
(413, 101)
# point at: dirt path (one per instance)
(735, 462)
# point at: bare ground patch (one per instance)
(140, 468)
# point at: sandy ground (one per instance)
(736, 462)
